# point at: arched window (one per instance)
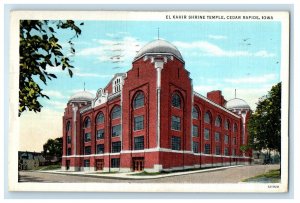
(207, 117)
(138, 100)
(176, 101)
(234, 127)
(227, 124)
(116, 112)
(87, 122)
(68, 127)
(218, 121)
(100, 118)
(195, 113)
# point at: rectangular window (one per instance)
(195, 131)
(69, 152)
(234, 141)
(218, 150)
(100, 148)
(195, 147)
(86, 163)
(207, 148)
(226, 151)
(116, 147)
(233, 152)
(226, 139)
(139, 123)
(115, 163)
(100, 134)
(87, 150)
(175, 143)
(139, 143)
(206, 134)
(116, 130)
(217, 136)
(175, 125)
(69, 139)
(87, 137)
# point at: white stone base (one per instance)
(125, 170)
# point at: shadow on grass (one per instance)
(272, 176)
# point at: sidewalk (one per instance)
(131, 175)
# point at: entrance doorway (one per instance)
(138, 164)
(99, 164)
(68, 164)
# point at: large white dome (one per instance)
(237, 104)
(159, 47)
(82, 96)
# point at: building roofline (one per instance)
(158, 53)
(214, 104)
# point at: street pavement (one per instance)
(224, 175)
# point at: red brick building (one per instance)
(151, 119)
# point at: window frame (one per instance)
(116, 110)
(137, 124)
(195, 111)
(85, 137)
(98, 116)
(205, 137)
(97, 133)
(176, 100)
(97, 148)
(175, 124)
(176, 143)
(141, 100)
(85, 150)
(207, 117)
(207, 149)
(112, 130)
(193, 129)
(116, 149)
(139, 144)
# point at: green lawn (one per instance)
(272, 176)
(50, 167)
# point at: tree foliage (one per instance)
(53, 148)
(265, 123)
(40, 50)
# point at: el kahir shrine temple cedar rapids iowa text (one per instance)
(150, 119)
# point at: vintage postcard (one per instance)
(172, 101)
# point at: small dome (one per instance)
(237, 104)
(82, 96)
(159, 47)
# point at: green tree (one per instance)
(40, 50)
(265, 123)
(53, 148)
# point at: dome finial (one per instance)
(234, 93)
(158, 33)
(83, 86)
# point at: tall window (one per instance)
(115, 163)
(138, 100)
(100, 118)
(100, 148)
(217, 136)
(87, 122)
(139, 143)
(233, 152)
(138, 122)
(207, 148)
(195, 113)
(87, 150)
(176, 101)
(226, 153)
(195, 147)
(226, 138)
(86, 163)
(218, 150)
(176, 143)
(226, 125)
(207, 117)
(235, 127)
(116, 112)
(68, 127)
(100, 134)
(234, 141)
(206, 134)
(69, 139)
(116, 130)
(175, 125)
(116, 147)
(195, 131)
(69, 152)
(218, 121)
(87, 137)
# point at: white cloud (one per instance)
(53, 93)
(255, 80)
(217, 37)
(114, 51)
(205, 48)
